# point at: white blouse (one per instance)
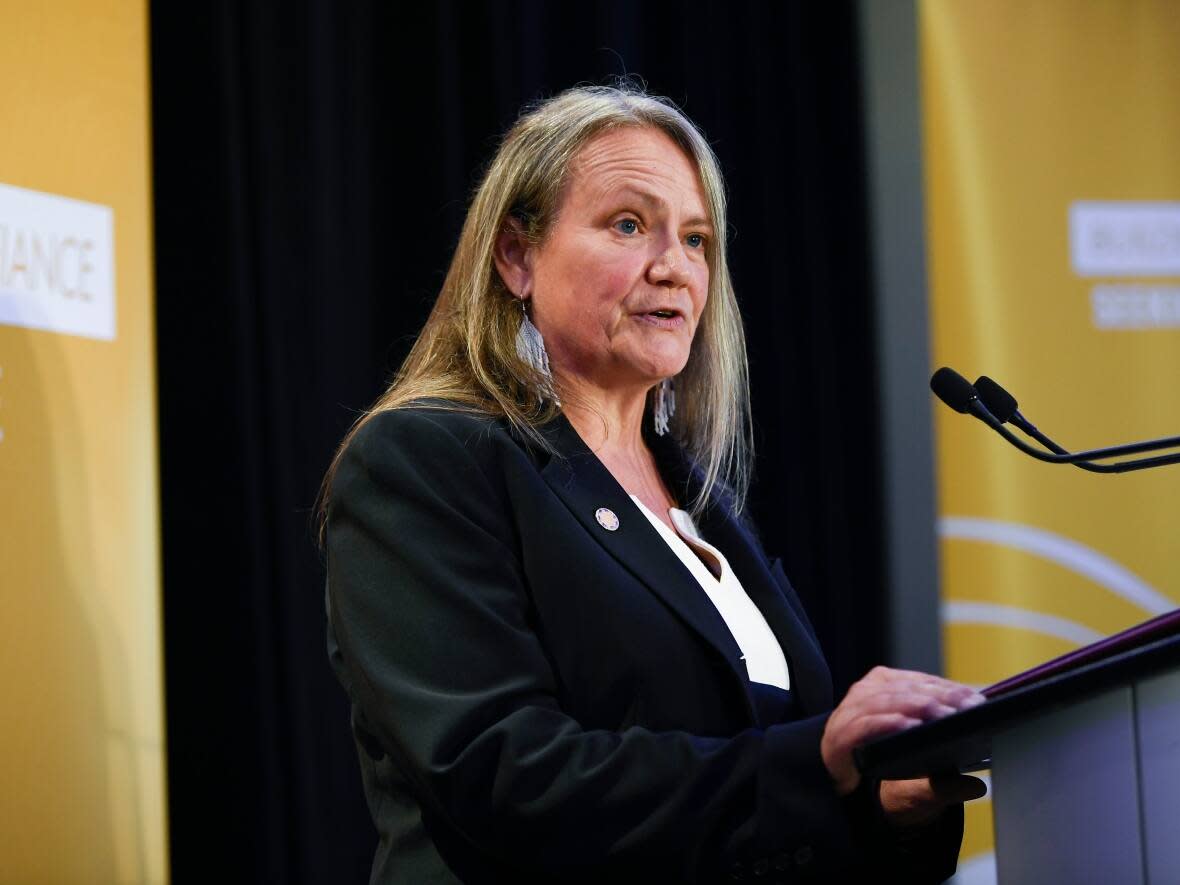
(765, 661)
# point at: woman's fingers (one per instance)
(911, 703)
(915, 704)
(954, 694)
(913, 802)
(950, 789)
(882, 680)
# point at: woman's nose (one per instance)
(670, 266)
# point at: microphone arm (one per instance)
(1005, 408)
(962, 396)
(1082, 459)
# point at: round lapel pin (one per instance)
(607, 519)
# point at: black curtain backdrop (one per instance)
(313, 162)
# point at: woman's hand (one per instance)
(912, 803)
(883, 702)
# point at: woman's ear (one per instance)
(513, 255)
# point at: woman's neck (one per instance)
(608, 421)
(611, 425)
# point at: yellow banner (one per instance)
(82, 795)
(1051, 140)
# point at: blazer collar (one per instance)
(586, 486)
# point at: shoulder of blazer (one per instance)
(432, 428)
(429, 416)
(442, 442)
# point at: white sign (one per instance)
(1125, 239)
(57, 264)
(1135, 307)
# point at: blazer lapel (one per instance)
(585, 486)
(811, 680)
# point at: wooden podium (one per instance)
(1085, 764)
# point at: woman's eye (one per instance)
(695, 241)
(628, 226)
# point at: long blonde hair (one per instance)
(466, 352)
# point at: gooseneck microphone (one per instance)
(993, 405)
(1003, 405)
(958, 393)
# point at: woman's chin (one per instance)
(657, 370)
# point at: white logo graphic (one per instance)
(1125, 239)
(57, 264)
(1135, 307)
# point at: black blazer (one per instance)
(536, 698)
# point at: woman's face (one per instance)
(619, 283)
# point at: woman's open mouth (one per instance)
(663, 317)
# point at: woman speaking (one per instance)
(569, 659)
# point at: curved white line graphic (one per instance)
(1067, 553)
(1021, 618)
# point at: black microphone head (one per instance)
(953, 389)
(999, 402)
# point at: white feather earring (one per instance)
(530, 347)
(665, 405)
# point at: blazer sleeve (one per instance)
(432, 618)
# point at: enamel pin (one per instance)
(607, 519)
